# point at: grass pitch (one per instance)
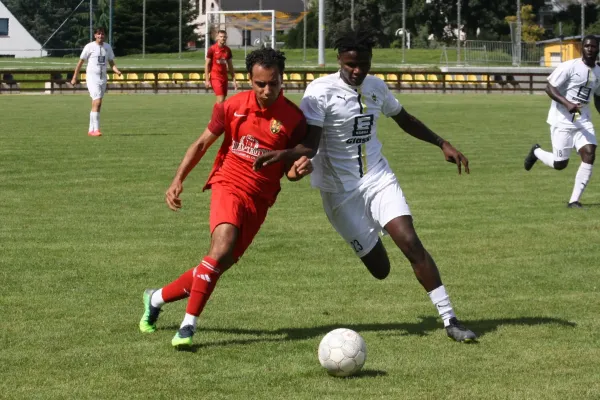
(84, 230)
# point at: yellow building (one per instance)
(557, 50)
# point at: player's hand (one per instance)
(456, 157)
(574, 108)
(208, 85)
(235, 85)
(116, 71)
(271, 157)
(74, 81)
(303, 166)
(172, 195)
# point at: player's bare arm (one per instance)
(232, 73)
(207, 64)
(308, 148)
(299, 169)
(559, 98)
(114, 67)
(76, 73)
(414, 127)
(190, 160)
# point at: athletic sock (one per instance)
(441, 300)
(584, 173)
(180, 288)
(545, 156)
(91, 128)
(95, 120)
(205, 279)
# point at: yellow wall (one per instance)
(570, 49)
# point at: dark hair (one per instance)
(591, 37)
(99, 29)
(361, 40)
(223, 31)
(266, 57)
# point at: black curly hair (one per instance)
(591, 37)
(267, 58)
(360, 40)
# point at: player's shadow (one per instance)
(139, 134)
(426, 326)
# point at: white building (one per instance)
(238, 37)
(15, 41)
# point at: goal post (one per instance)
(246, 20)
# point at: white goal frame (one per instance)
(209, 13)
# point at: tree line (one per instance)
(482, 19)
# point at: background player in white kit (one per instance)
(97, 54)
(360, 193)
(571, 87)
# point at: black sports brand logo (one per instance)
(363, 125)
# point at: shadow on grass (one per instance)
(424, 327)
(139, 134)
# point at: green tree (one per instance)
(531, 32)
(162, 26)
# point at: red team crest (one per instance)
(275, 126)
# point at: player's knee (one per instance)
(588, 157)
(411, 246)
(560, 165)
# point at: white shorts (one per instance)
(565, 139)
(96, 89)
(359, 216)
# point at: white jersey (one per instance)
(349, 146)
(578, 83)
(97, 56)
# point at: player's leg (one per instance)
(585, 143)
(96, 93)
(403, 233)
(562, 143)
(220, 88)
(389, 209)
(348, 216)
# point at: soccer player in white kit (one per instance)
(571, 87)
(361, 195)
(97, 54)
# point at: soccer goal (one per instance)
(249, 28)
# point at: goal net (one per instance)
(249, 28)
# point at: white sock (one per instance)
(545, 156)
(440, 299)
(95, 120)
(584, 173)
(157, 300)
(91, 129)
(189, 319)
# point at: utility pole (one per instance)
(518, 38)
(321, 33)
(403, 28)
(352, 14)
(458, 33)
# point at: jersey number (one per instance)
(362, 125)
(356, 245)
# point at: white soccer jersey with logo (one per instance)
(97, 56)
(578, 83)
(349, 145)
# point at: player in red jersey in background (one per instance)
(259, 122)
(218, 62)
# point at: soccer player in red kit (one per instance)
(259, 122)
(218, 62)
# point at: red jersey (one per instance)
(219, 56)
(250, 132)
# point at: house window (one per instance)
(3, 26)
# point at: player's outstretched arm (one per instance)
(190, 160)
(414, 127)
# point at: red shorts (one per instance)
(219, 86)
(232, 206)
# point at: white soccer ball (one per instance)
(342, 352)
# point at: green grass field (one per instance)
(84, 230)
(383, 58)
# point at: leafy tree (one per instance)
(530, 31)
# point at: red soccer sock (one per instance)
(180, 288)
(205, 279)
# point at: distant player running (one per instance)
(361, 195)
(97, 54)
(255, 122)
(218, 63)
(571, 87)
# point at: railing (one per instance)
(192, 81)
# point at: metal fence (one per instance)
(480, 52)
